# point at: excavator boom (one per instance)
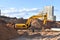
(28, 23)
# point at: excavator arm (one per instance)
(28, 23)
(36, 17)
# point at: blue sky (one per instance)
(27, 8)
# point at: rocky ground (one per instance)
(7, 32)
(39, 36)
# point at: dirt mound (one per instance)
(6, 32)
(49, 24)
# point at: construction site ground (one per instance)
(7, 32)
(29, 35)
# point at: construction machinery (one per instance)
(28, 23)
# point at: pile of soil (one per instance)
(49, 24)
(6, 32)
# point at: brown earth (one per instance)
(39, 36)
(6, 32)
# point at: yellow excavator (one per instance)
(28, 23)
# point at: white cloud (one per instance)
(9, 10)
(27, 10)
(24, 12)
(13, 12)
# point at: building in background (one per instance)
(50, 11)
